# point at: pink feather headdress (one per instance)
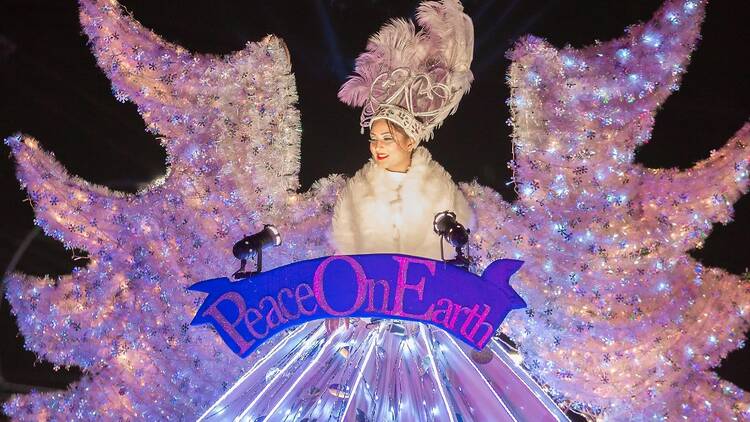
(415, 79)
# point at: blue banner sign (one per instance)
(249, 311)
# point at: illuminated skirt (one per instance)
(381, 371)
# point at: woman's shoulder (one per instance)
(364, 175)
(360, 184)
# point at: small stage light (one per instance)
(253, 245)
(448, 228)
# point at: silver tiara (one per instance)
(413, 102)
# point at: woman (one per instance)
(389, 205)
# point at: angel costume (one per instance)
(394, 370)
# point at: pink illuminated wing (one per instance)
(620, 318)
(234, 115)
(232, 135)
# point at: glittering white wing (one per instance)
(232, 135)
(620, 318)
(237, 111)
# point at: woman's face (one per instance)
(391, 150)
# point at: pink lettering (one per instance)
(481, 322)
(487, 334)
(371, 295)
(274, 316)
(401, 286)
(442, 316)
(251, 324)
(454, 315)
(284, 310)
(302, 297)
(319, 277)
(230, 327)
(471, 314)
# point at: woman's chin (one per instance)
(386, 164)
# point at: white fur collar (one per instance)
(379, 211)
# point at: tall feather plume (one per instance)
(451, 35)
(445, 41)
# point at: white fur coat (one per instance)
(380, 211)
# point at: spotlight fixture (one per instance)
(253, 245)
(449, 229)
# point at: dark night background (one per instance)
(51, 89)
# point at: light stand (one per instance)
(253, 245)
(449, 229)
